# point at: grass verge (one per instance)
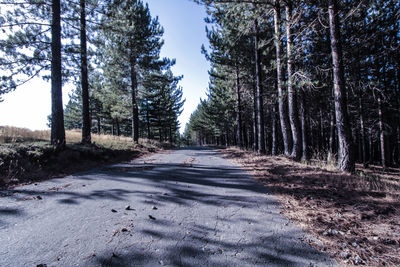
(26, 156)
(356, 217)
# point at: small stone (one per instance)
(151, 217)
(41, 265)
(113, 210)
(124, 229)
(154, 208)
(344, 255)
(128, 207)
(39, 197)
(354, 244)
(357, 260)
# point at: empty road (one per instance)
(188, 207)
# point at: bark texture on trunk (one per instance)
(283, 115)
(362, 130)
(239, 133)
(332, 136)
(345, 150)
(304, 127)
(259, 94)
(86, 124)
(274, 133)
(255, 139)
(292, 94)
(382, 140)
(57, 112)
(135, 111)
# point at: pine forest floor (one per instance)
(356, 218)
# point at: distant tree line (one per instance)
(109, 49)
(304, 78)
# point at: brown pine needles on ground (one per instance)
(356, 217)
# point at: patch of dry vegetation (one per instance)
(26, 156)
(357, 217)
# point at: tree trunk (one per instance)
(371, 147)
(274, 137)
(98, 125)
(86, 125)
(292, 95)
(283, 115)
(345, 150)
(381, 132)
(362, 130)
(148, 124)
(135, 111)
(239, 110)
(244, 135)
(57, 112)
(118, 130)
(259, 94)
(332, 136)
(304, 127)
(255, 135)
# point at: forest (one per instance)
(307, 79)
(108, 50)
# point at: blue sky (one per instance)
(184, 27)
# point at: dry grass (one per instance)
(356, 217)
(27, 156)
(10, 134)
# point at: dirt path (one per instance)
(187, 208)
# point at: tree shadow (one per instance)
(194, 186)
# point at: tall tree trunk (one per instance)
(292, 95)
(283, 115)
(57, 112)
(240, 140)
(259, 94)
(98, 125)
(371, 147)
(362, 129)
(381, 131)
(244, 135)
(304, 127)
(255, 134)
(86, 125)
(148, 123)
(345, 150)
(117, 128)
(332, 136)
(135, 111)
(274, 133)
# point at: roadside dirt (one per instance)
(356, 217)
(31, 163)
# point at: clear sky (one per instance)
(184, 27)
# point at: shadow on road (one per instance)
(230, 238)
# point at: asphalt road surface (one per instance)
(188, 207)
